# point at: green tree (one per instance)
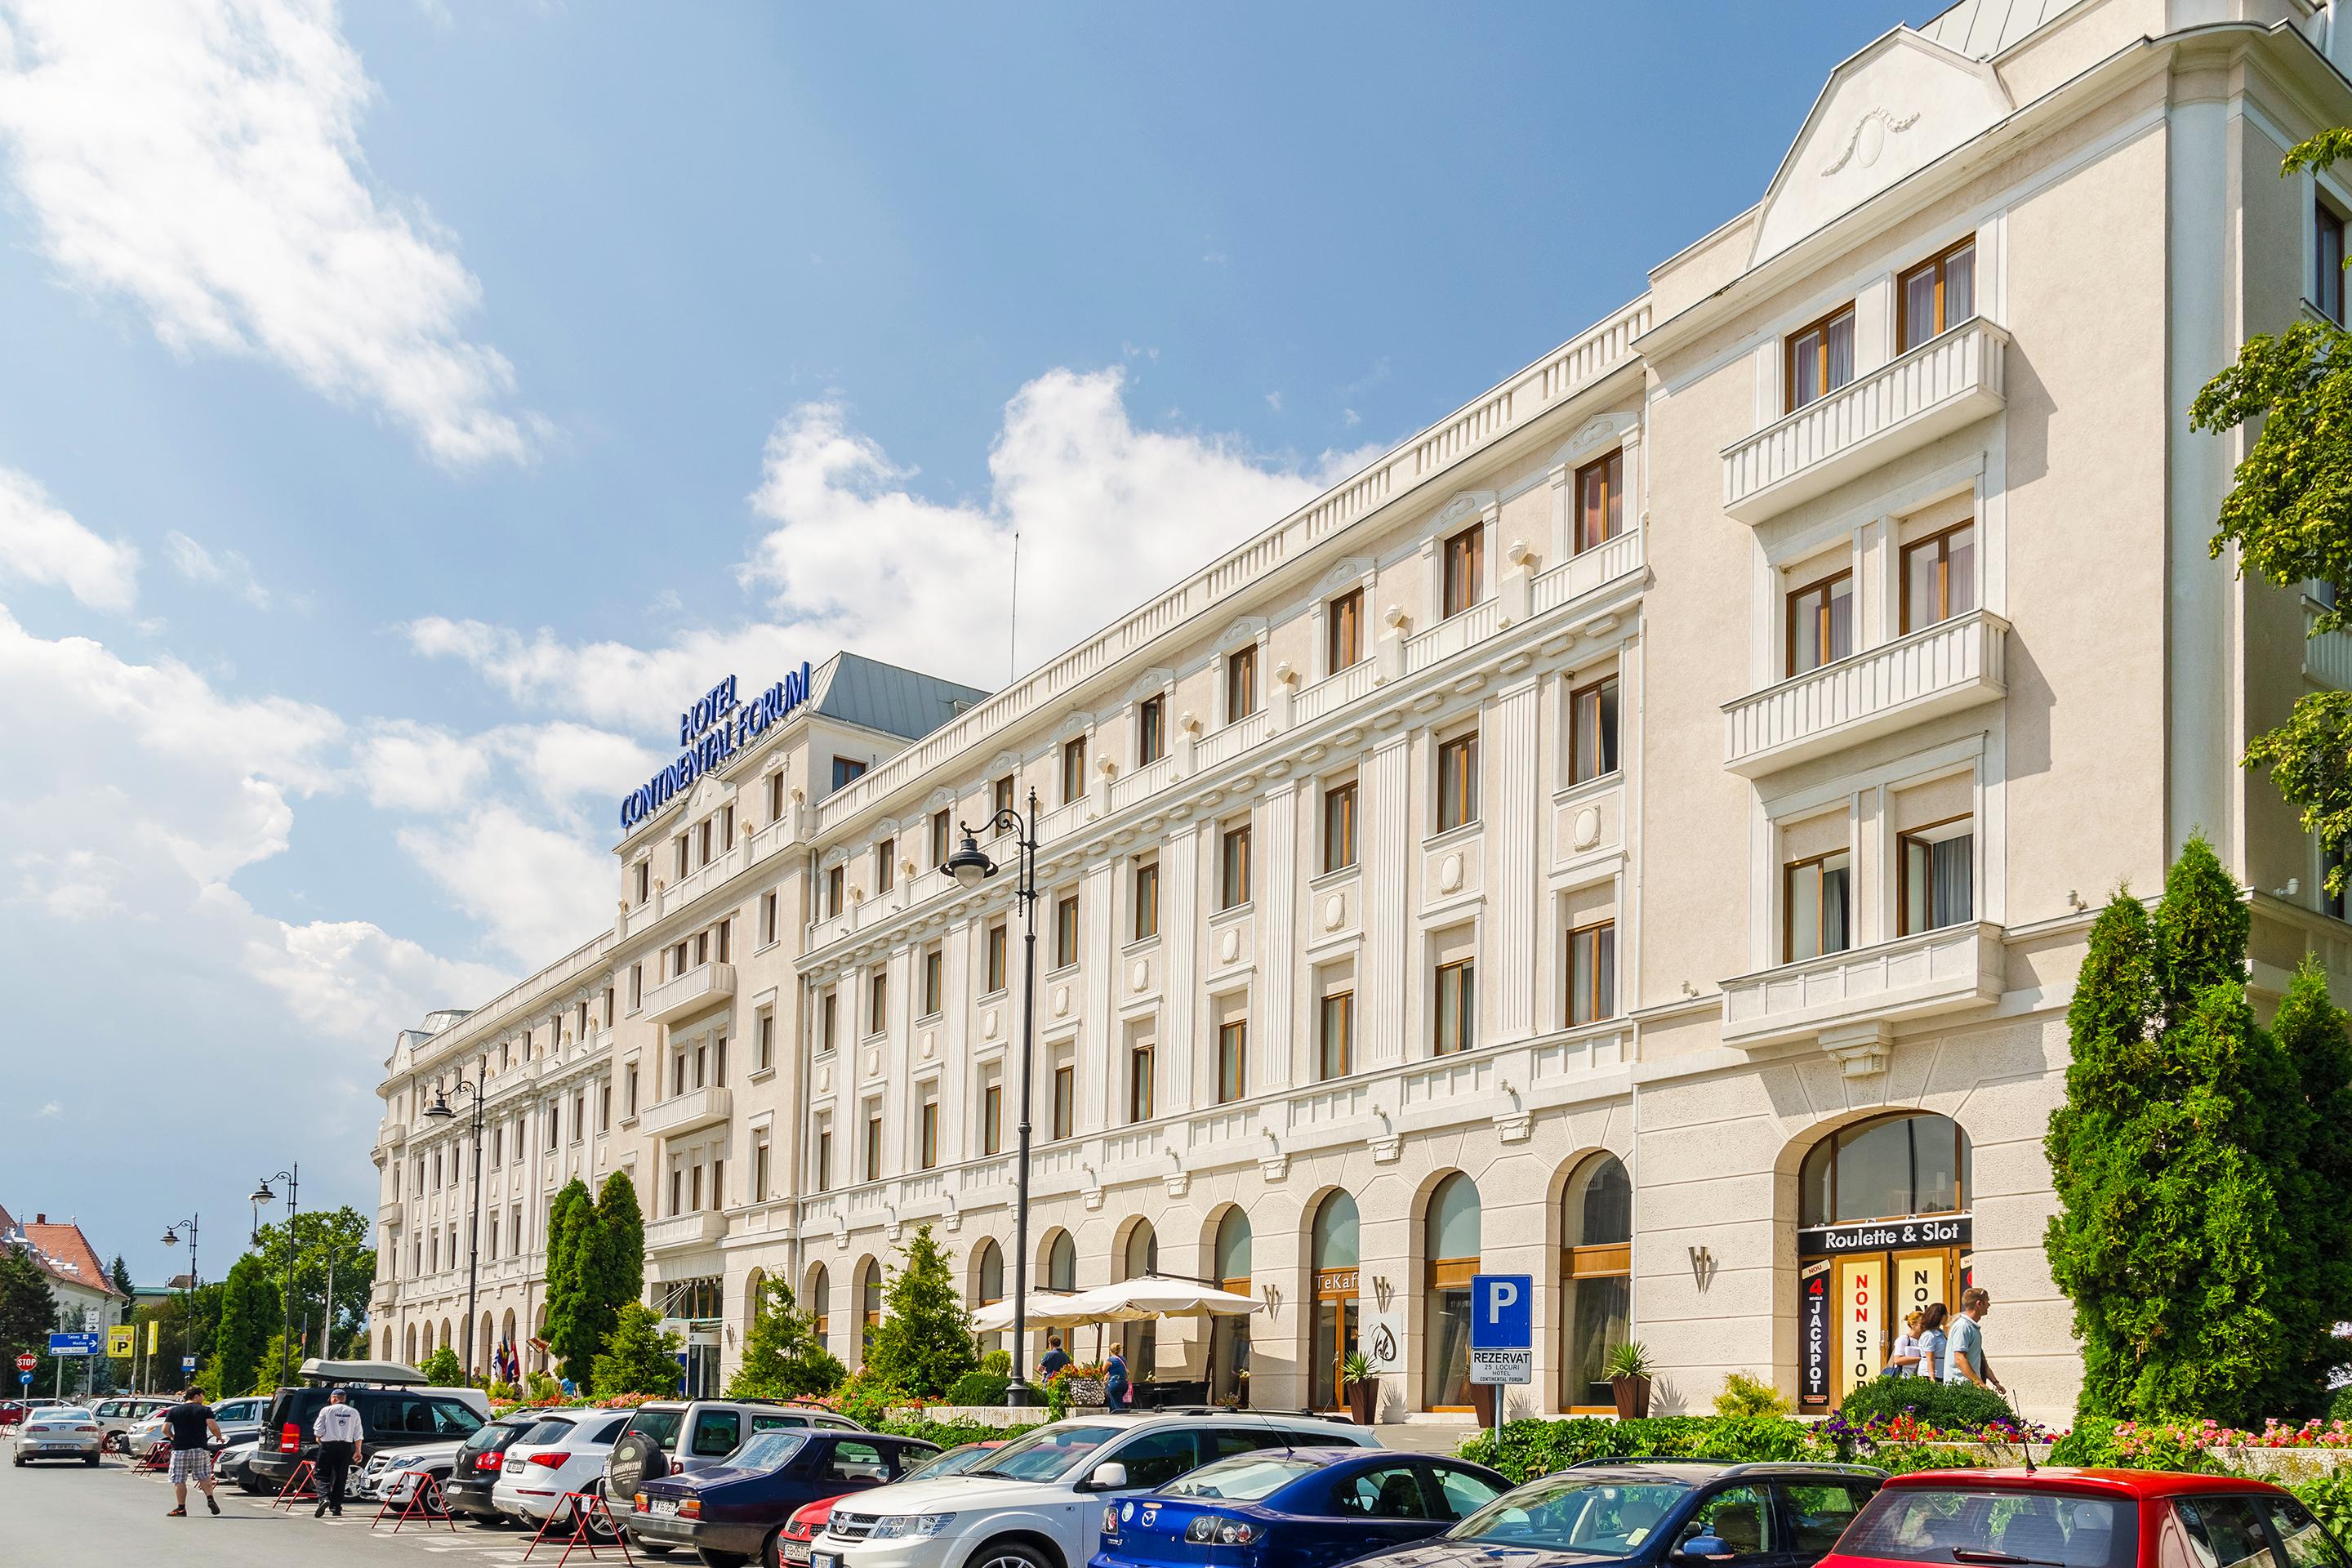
(637, 1357)
(443, 1367)
(250, 1313)
(327, 1244)
(621, 1235)
(782, 1357)
(28, 1311)
(2311, 1032)
(571, 1318)
(923, 1343)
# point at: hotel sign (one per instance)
(1882, 1236)
(713, 730)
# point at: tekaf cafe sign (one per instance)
(718, 725)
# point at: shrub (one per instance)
(950, 1433)
(923, 1343)
(866, 1397)
(999, 1362)
(1746, 1395)
(2330, 1498)
(1946, 1406)
(980, 1388)
(443, 1369)
(782, 1357)
(637, 1357)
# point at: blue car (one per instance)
(1294, 1507)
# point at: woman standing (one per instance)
(1932, 1339)
(1902, 1361)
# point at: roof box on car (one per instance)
(316, 1369)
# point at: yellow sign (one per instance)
(152, 1324)
(120, 1341)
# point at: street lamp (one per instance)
(292, 1177)
(971, 866)
(188, 1328)
(439, 1110)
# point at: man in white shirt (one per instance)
(339, 1431)
(1964, 1359)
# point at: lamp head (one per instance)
(969, 866)
(439, 1110)
(262, 1194)
(171, 1236)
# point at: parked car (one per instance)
(1048, 1485)
(2083, 1519)
(1632, 1513)
(478, 1464)
(733, 1512)
(11, 1412)
(565, 1453)
(390, 1475)
(665, 1437)
(233, 1466)
(954, 1461)
(805, 1525)
(1303, 1508)
(61, 1432)
(122, 1414)
(390, 1419)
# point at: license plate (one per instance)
(824, 1559)
(662, 1506)
(797, 1551)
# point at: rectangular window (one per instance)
(1938, 877)
(767, 1040)
(683, 863)
(1065, 931)
(631, 1114)
(1592, 731)
(833, 891)
(1457, 1007)
(1147, 900)
(1939, 577)
(1464, 571)
(1821, 358)
(760, 1171)
(718, 1055)
(694, 1190)
(1074, 769)
(1343, 631)
(2327, 262)
(847, 770)
(942, 831)
(1814, 899)
(1232, 1062)
(1592, 973)
(1600, 501)
(701, 953)
(725, 942)
(767, 918)
(996, 944)
(927, 1136)
(824, 1157)
(726, 829)
(1820, 623)
(645, 880)
(1138, 1084)
(676, 1189)
(873, 1145)
(878, 1000)
(991, 1118)
(1233, 868)
(1241, 683)
(1000, 795)
(1336, 1036)
(1150, 731)
(1938, 295)
(828, 1019)
(637, 986)
(934, 961)
(1065, 1099)
(1339, 826)
(775, 798)
(886, 866)
(703, 834)
(1457, 782)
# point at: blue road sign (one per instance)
(1502, 1328)
(187, 1364)
(73, 1344)
(25, 1378)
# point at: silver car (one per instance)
(121, 1414)
(59, 1432)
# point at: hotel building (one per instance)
(1640, 832)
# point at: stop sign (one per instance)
(25, 1362)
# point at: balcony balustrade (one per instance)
(1859, 994)
(704, 986)
(1952, 665)
(697, 1108)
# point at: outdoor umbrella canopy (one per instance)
(1130, 1300)
(1047, 1309)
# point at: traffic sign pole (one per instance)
(1502, 1336)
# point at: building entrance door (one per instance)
(1853, 1308)
(1336, 1313)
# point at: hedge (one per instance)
(1948, 1406)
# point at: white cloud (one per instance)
(50, 1110)
(354, 980)
(201, 158)
(529, 884)
(40, 542)
(198, 565)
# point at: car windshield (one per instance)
(496, 1433)
(1987, 1527)
(1586, 1515)
(1045, 1455)
(767, 1450)
(661, 1425)
(1245, 1478)
(954, 1462)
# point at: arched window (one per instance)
(1140, 1340)
(1233, 1251)
(755, 1296)
(869, 1304)
(1596, 1267)
(988, 1278)
(820, 1303)
(1452, 1249)
(1229, 1333)
(1892, 1168)
(409, 1345)
(449, 1336)
(1334, 1254)
(1062, 1263)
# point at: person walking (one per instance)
(1933, 1341)
(1115, 1385)
(340, 1435)
(1902, 1361)
(194, 1431)
(1966, 1361)
(1055, 1359)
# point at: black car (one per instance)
(467, 1490)
(731, 1514)
(390, 1418)
(1684, 1513)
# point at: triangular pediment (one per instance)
(1888, 112)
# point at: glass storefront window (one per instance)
(1333, 1337)
(1139, 1341)
(1229, 1333)
(1596, 1267)
(1452, 1252)
(1886, 1169)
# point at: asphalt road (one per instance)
(66, 1514)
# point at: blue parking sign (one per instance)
(1502, 1328)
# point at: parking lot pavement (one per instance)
(61, 1514)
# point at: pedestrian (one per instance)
(194, 1431)
(569, 1391)
(341, 1441)
(1055, 1359)
(1933, 1341)
(1115, 1385)
(1902, 1361)
(1966, 1361)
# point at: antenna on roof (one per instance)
(1013, 638)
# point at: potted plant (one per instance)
(1363, 1390)
(1627, 1367)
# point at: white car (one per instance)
(1053, 1482)
(123, 1415)
(389, 1475)
(565, 1453)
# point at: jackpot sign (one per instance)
(718, 725)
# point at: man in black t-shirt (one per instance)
(194, 1431)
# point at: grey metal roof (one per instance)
(1983, 28)
(887, 697)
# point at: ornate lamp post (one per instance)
(292, 1177)
(441, 1110)
(188, 1328)
(971, 866)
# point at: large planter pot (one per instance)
(1089, 1391)
(1633, 1398)
(1364, 1400)
(1482, 1400)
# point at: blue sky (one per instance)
(404, 410)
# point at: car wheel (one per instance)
(651, 1548)
(90, 1459)
(771, 1551)
(1007, 1554)
(720, 1558)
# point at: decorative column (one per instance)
(1388, 846)
(1516, 856)
(1272, 1052)
(1180, 885)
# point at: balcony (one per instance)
(1952, 665)
(704, 986)
(1938, 387)
(680, 1231)
(2327, 658)
(686, 1112)
(1858, 993)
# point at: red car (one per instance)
(12, 1412)
(2083, 1519)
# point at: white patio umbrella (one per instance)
(1047, 1309)
(1151, 1296)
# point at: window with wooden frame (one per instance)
(824, 1157)
(846, 771)
(702, 837)
(1456, 988)
(1000, 795)
(1139, 1083)
(1065, 1099)
(1336, 1036)
(1074, 769)
(942, 835)
(1150, 731)
(828, 1020)
(1146, 900)
(1461, 571)
(1936, 295)
(1596, 1270)
(1935, 870)
(1939, 577)
(1457, 782)
(1592, 731)
(1815, 916)
(886, 866)
(927, 1137)
(1592, 973)
(934, 967)
(760, 1170)
(2327, 261)
(645, 880)
(1339, 826)
(685, 862)
(1343, 631)
(768, 905)
(1600, 501)
(833, 891)
(1065, 931)
(991, 1118)
(764, 1034)
(775, 798)
(1820, 357)
(873, 1142)
(995, 945)
(1232, 1062)
(1241, 683)
(1233, 867)
(1820, 623)
(878, 1000)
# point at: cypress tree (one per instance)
(2200, 929)
(2310, 1030)
(621, 1225)
(571, 1231)
(249, 1316)
(609, 1267)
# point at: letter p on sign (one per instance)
(1500, 1294)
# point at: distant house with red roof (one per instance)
(85, 1293)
